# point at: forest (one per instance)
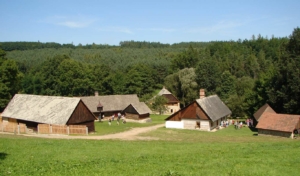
(245, 74)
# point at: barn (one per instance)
(108, 105)
(137, 111)
(36, 109)
(283, 125)
(205, 113)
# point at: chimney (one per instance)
(202, 93)
(96, 93)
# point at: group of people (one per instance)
(224, 123)
(238, 124)
(119, 118)
(249, 122)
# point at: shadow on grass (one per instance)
(253, 129)
(2, 156)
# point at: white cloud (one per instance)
(71, 22)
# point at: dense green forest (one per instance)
(245, 74)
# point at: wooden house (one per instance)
(137, 111)
(205, 113)
(108, 105)
(283, 125)
(173, 104)
(36, 109)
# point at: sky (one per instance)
(165, 21)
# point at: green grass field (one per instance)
(102, 128)
(178, 152)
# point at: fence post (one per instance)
(50, 132)
(18, 129)
(68, 130)
(38, 129)
(87, 130)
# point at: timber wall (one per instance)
(275, 133)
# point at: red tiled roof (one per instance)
(260, 111)
(278, 122)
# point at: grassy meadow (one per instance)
(102, 128)
(178, 152)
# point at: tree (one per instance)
(208, 75)
(287, 79)
(227, 85)
(183, 85)
(158, 104)
(9, 79)
(186, 59)
(139, 80)
(187, 78)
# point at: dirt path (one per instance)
(126, 135)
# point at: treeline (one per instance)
(11, 46)
(244, 73)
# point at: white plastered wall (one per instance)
(174, 124)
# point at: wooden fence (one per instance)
(16, 128)
(78, 129)
(62, 129)
(12, 127)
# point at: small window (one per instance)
(197, 124)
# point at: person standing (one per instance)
(113, 117)
(236, 124)
(251, 122)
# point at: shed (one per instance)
(261, 110)
(36, 109)
(137, 111)
(205, 113)
(282, 125)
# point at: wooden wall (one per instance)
(82, 116)
(274, 133)
(189, 112)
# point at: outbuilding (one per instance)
(37, 109)
(108, 105)
(283, 125)
(265, 108)
(137, 111)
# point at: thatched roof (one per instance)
(41, 109)
(278, 122)
(110, 102)
(214, 107)
(140, 108)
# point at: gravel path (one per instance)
(126, 135)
